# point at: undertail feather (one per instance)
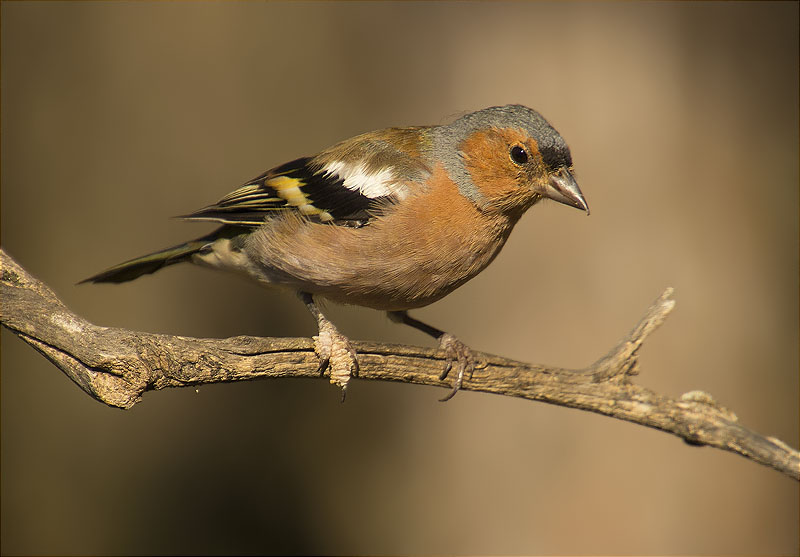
(134, 268)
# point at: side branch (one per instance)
(117, 366)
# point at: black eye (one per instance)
(519, 155)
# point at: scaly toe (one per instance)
(460, 354)
(336, 355)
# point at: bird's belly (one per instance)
(363, 267)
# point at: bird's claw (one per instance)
(336, 355)
(462, 356)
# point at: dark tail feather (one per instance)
(153, 262)
(149, 263)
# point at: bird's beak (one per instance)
(563, 188)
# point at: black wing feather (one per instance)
(264, 195)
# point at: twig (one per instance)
(117, 366)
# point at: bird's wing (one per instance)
(348, 185)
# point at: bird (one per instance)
(392, 220)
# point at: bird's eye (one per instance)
(519, 155)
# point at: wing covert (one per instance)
(320, 194)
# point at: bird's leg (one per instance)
(455, 350)
(332, 348)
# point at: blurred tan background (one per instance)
(683, 123)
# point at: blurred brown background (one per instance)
(683, 123)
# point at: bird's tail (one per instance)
(152, 262)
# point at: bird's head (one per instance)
(507, 158)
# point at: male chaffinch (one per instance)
(393, 220)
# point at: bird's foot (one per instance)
(460, 355)
(335, 354)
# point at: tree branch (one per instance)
(117, 366)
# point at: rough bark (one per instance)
(117, 366)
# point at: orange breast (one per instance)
(418, 252)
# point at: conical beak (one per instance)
(564, 189)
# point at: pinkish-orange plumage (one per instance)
(392, 220)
